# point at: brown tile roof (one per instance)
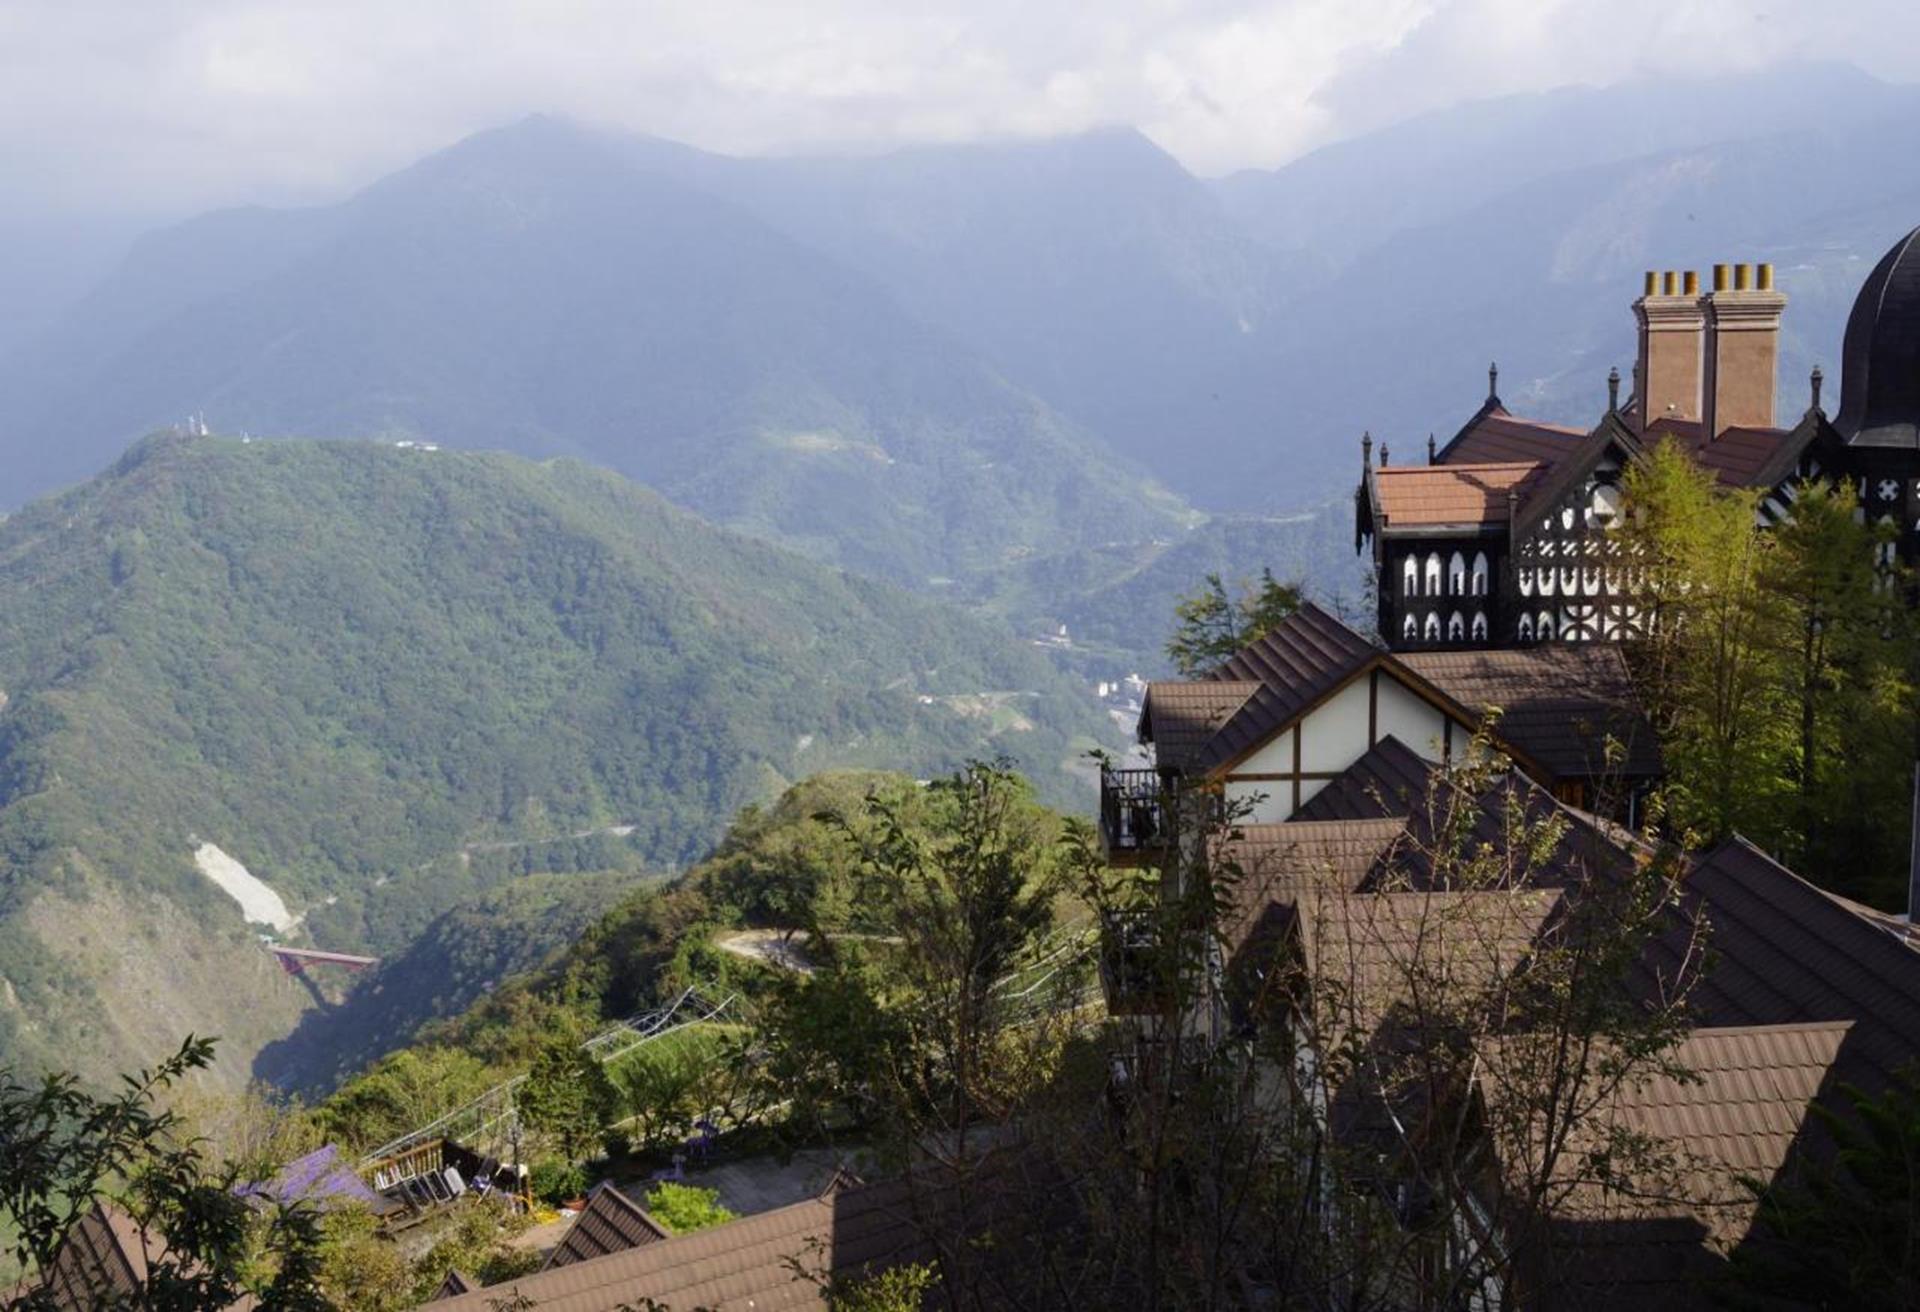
(1736, 457)
(105, 1259)
(1558, 704)
(1789, 953)
(611, 1222)
(1181, 718)
(1279, 864)
(1493, 436)
(1423, 496)
(1275, 679)
(457, 1282)
(1390, 780)
(742, 1264)
(1740, 1114)
(1377, 944)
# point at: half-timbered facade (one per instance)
(1501, 538)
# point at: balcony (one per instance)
(1133, 816)
(1131, 974)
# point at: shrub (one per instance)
(555, 1180)
(683, 1208)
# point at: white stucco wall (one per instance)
(1409, 718)
(1334, 734)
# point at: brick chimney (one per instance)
(1666, 376)
(1743, 348)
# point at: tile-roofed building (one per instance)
(1183, 719)
(743, 1264)
(611, 1222)
(1390, 780)
(1703, 379)
(1287, 715)
(106, 1258)
(1740, 1114)
(1790, 953)
(1470, 498)
(1558, 705)
(1493, 436)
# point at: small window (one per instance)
(1410, 577)
(1456, 627)
(1433, 620)
(1410, 631)
(1433, 575)
(1457, 574)
(1544, 629)
(1479, 626)
(1526, 628)
(1479, 573)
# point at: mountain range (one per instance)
(940, 363)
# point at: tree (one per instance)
(567, 1095)
(1211, 624)
(64, 1150)
(1707, 665)
(1841, 634)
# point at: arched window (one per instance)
(1479, 573)
(1457, 574)
(1526, 628)
(1410, 577)
(1433, 621)
(1479, 626)
(1433, 574)
(1410, 631)
(1544, 629)
(1456, 627)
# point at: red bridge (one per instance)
(295, 960)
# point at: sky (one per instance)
(170, 106)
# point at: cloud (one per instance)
(171, 104)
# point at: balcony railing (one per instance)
(1131, 977)
(1133, 813)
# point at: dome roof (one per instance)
(1880, 375)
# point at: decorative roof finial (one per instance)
(1383, 455)
(1814, 380)
(1493, 382)
(1366, 450)
(1613, 390)
(1429, 448)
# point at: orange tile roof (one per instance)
(1411, 495)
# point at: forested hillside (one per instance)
(388, 679)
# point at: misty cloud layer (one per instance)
(171, 105)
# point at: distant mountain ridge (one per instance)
(942, 362)
(387, 679)
(529, 290)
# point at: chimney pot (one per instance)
(1653, 284)
(1766, 277)
(1691, 283)
(1720, 280)
(1669, 284)
(1814, 381)
(1742, 277)
(1613, 389)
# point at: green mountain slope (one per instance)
(344, 663)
